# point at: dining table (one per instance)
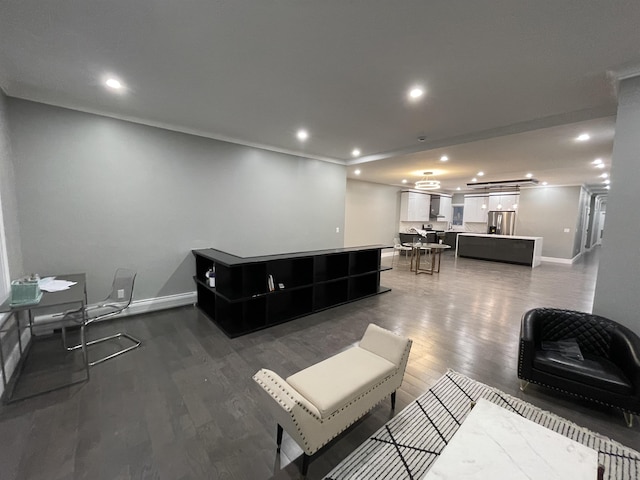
(432, 251)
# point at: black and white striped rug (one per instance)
(407, 446)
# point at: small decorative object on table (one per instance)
(211, 277)
(25, 291)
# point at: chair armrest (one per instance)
(625, 353)
(527, 347)
(385, 344)
(284, 394)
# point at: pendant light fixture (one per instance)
(427, 183)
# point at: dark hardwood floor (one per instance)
(184, 406)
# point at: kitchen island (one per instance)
(500, 248)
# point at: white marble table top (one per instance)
(495, 443)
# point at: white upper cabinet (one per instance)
(445, 213)
(473, 211)
(414, 207)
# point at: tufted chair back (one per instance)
(592, 332)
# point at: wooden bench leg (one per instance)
(305, 465)
(279, 437)
(393, 401)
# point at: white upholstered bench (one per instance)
(319, 402)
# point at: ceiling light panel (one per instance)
(416, 92)
(113, 83)
(302, 135)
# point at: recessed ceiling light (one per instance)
(404, 180)
(604, 175)
(355, 152)
(458, 188)
(357, 172)
(607, 182)
(583, 137)
(544, 183)
(597, 161)
(416, 92)
(600, 165)
(113, 83)
(444, 158)
(302, 135)
(474, 179)
(607, 187)
(480, 174)
(529, 175)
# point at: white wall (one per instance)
(95, 193)
(372, 213)
(616, 295)
(547, 212)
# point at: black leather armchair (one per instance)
(610, 371)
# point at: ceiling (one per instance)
(508, 85)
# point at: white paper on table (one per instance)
(50, 284)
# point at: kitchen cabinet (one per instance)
(473, 211)
(414, 207)
(441, 209)
(501, 248)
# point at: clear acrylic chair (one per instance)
(399, 248)
(118, 300)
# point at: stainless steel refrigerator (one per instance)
(501, 222)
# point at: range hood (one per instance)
(504, 183)
(434, 209)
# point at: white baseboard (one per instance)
(160, 303)
(143, 306)
(567, 261)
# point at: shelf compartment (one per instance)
(206, 300)
(363, 285)
(203, 265)
(292, 273)
(254, 279)
(331, 267)
(328, 294)
(239, 318)
(364, 261)
(229, 281)
(289, 304)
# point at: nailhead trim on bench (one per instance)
(273, 394)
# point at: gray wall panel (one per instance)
(8, 195)
(616, 295)
(95, 193)
(372, 213)
(546, 212)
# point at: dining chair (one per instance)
(118, 300)
(399, 248)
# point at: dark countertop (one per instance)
(233, 260)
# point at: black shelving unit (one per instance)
(305, 282)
